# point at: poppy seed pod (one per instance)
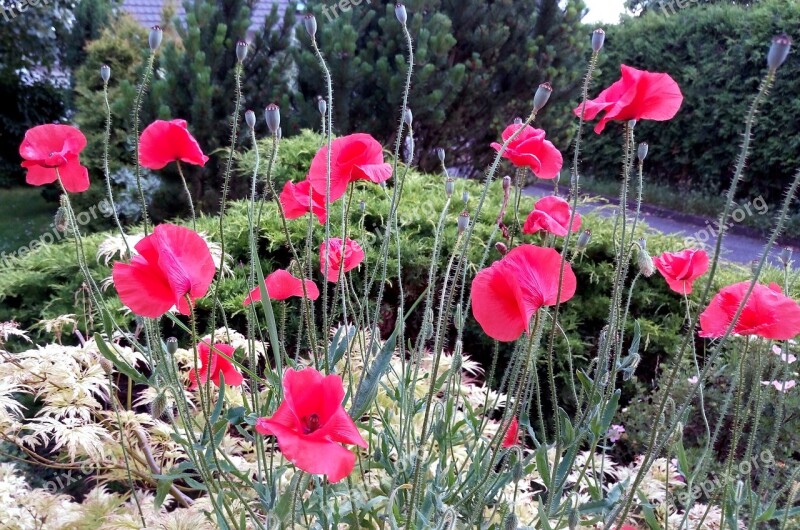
(449, 184)
(641, 152)
(401, 13)
(541, 96)
(172, 345)
(463, 221)
(441, 154)
(785, 256)
(598, 38)
(105, 73)
(778, 51)
(273, 116)
(408, 117)
(517, 121)
(322, 105)
(584, 239)
(501, 248)
(310, 22)
(241, 51)
(250, 119)
(155, 38)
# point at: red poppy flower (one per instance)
(681, 269)
(507, 294)
(311, 424)
(299, 199)
(214, 363)
(512, 435)
(349, 256)
(51, 151)
(163, 142)
(638, 95)
(767, 313)
(551, 214)
(530, 149)
(171, 263)
(282, 285)
(354, 157)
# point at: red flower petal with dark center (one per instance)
(768, 313)
(638, 95)
(681, 269)
(349, 256)
(51, 151)
(172, 262)
(163, 142)
(282, 285)
(512, 435)
(299, 199)
(311, 424)
(551, 214)
(507, 294)
(354, 157)
(530, 149)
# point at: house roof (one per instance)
(148, 12)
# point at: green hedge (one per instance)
(717, 54)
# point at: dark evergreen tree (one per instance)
(477, 65)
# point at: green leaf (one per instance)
(161, 492)
(118, 363)
(368, 388)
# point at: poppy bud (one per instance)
(541, 96)
(61, 220)
(583, 239)
(778, 51)
(105, 73)
(573, 520)
(465, 197)
(322, 105)
(645, 262)
(106, 365)
(463, 221)
(250, 119)
(273, 116)
(642, 151)
(506, 183)
(449, 184)
(408, 117)
(441, 154)
(401, 13)
(785, 256)
(172, 345)
(510, 522)
(598, 38)
(501, 248)
(310, 22)
(159, 405)
(241, 51)
(377, 455)
(155, 38)
(517, 472)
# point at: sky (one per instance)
(605, 11)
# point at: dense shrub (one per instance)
(716, 54)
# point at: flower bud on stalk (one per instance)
(501, 248)
(273, 116)
(785, 256)
(449, 185)
(408, 117)
(598, 38)
(241, 51)
(401, 13)
(322, 105)
(250, 119)
(362, 206)
(541, 96)
(310, 23)
(641, 152)
(778, 51)
(154, 39)
(105, 73)
(172, 345)
(465, 197)
(441, 154)
(645, 261)
(583, 240)
(463, 222)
